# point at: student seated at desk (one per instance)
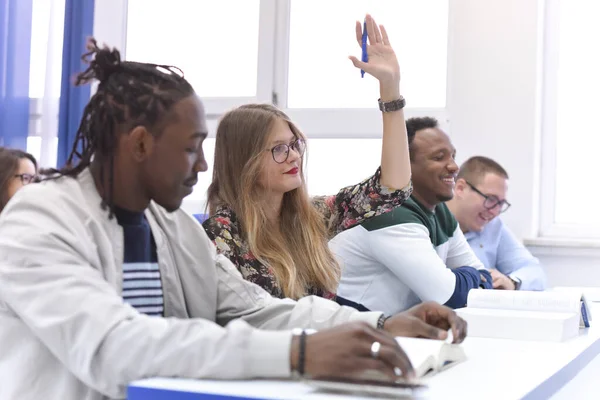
(104, 280)
(417, 252)
(17, 169)
(262, 218)
(480, 197)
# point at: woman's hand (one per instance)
(382, 63)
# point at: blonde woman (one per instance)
(262, 218)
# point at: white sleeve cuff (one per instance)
(269, 354)
(370, 318)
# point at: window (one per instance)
(320, 74)
(337, 160)
(322, 91)
(571, 138)
(241, 51)
(45, 79)
(215, 43)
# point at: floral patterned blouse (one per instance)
(350, 207)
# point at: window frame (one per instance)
(548, 226)
(105, 30)
(272, 81)
(358, 123)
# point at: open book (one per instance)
(545, 316)
(427, 356)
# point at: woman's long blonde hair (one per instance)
(299, 255)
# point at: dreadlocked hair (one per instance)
(129, 94)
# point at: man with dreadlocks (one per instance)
(103, 280)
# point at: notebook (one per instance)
(522, 315)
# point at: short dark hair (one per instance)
(130, 94)
(416, 124)
(474, 169)
(9, 165)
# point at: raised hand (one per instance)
(428, 320)
(345, 352)
(382, 64)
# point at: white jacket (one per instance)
(65, 332)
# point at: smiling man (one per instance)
(480, 198)
(416, 252)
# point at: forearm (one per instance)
(514, 260)
(244, 300)
(532, 277)
(106, 344)
(395, 161)
(467, 278)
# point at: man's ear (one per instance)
(140, 143)
(460, 187)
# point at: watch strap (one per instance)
(394, 105)
(516, 281)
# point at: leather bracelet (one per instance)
(302, 353)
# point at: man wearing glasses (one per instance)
(479, 198)
(417, 252)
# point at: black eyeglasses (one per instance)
(26, 179)
(491, 201)
(281, 152)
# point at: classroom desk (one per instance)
(495, 369)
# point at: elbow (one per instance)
(402, 183)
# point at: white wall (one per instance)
(494, 107)
(570, 266)
(494, 69)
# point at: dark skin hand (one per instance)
(428, 320)
(345, 352)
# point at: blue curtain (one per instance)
(79, 25)
(15, 47)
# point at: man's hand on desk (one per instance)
(346, 352)
(502, 281)
(428, 320)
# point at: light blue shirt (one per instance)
(498, 248)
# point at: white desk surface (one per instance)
(495, 369)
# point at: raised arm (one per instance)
(383, 65)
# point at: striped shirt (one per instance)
(142, 287)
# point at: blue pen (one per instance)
(365, 56)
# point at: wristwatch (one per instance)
(516, 281)
(393, 105)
